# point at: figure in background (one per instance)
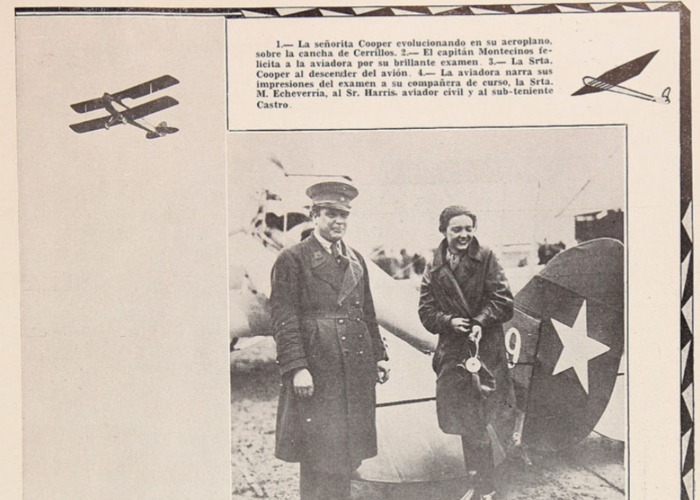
(329, 351)
(465, 299)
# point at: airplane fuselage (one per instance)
(601, 85)
(118, 116)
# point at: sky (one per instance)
(525, 184)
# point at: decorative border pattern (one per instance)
(686, 257)
(464, 10)
(687, 403)
(447, 10)
(687, 309)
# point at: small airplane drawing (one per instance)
(129, 115)
(610, 81)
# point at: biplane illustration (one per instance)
(610, 81)
(565, 344)
(129, 115)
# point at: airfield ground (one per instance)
(592, 470)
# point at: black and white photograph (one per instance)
(537, 233)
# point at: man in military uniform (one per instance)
(329, 351)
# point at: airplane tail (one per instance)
(161, 129)
(569, 299)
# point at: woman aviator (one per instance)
(465, 298)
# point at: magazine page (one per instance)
(352, 251)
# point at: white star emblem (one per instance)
(578, 348)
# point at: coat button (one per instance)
(340, 321)
(342, 338)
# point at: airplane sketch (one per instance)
(610, 81)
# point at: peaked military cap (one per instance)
(332, 194)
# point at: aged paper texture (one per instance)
(140, 226)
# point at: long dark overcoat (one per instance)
(324, 320)
(476, 289)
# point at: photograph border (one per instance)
(686, 267)
(624, 127)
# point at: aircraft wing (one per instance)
(249, 286)
(91, 125)
(146, 88)
(132, 114)
(411, 446)
(135, 92)
(87, 106)
(396, 305)
(620, 74)
(150, 107)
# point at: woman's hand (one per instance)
(475, 335)
(460, 325)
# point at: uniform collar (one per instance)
(323, 241)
